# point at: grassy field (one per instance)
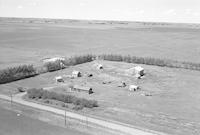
(172, 108)
(23, 42)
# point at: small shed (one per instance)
(133, 88)
(122, 84)
(139, 70)
(76, 74)
(83, 88)
(99, 66)
(59, 79)
(90, 75)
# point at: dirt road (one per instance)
(124, 128)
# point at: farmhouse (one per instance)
(46, 60)
(138, 71)
(76, 74)
(83, 88)
(55, 59)
(59, 79)
(133, 88)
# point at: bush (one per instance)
(35, 93)
(75, 60)
(78, 107)
(40, 93)
(47, 101)
(54, 66)
(17, 73)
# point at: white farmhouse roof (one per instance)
(58, 77)
(53, 59)
(75, 72)
(139, 68)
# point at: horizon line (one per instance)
(131, 21)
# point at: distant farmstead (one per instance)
(83, 88)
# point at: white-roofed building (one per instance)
(59, 79)
(76, 74)
(133, 87)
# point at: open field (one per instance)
(174, 99)
(25, 42)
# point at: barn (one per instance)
(83, 88)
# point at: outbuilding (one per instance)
(139, 70)
(122, 84)
(76, 74)
(133, 88)
(59, 79)
(98, 66)
(83, 88)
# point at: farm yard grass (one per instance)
(174, 95)
(173, 104)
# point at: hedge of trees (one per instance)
(17, 73)
(75, 60)
(54, 66)
(151, 61)
(61, 64)
(24, 71)
(44, 94)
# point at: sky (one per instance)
(184, 11)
